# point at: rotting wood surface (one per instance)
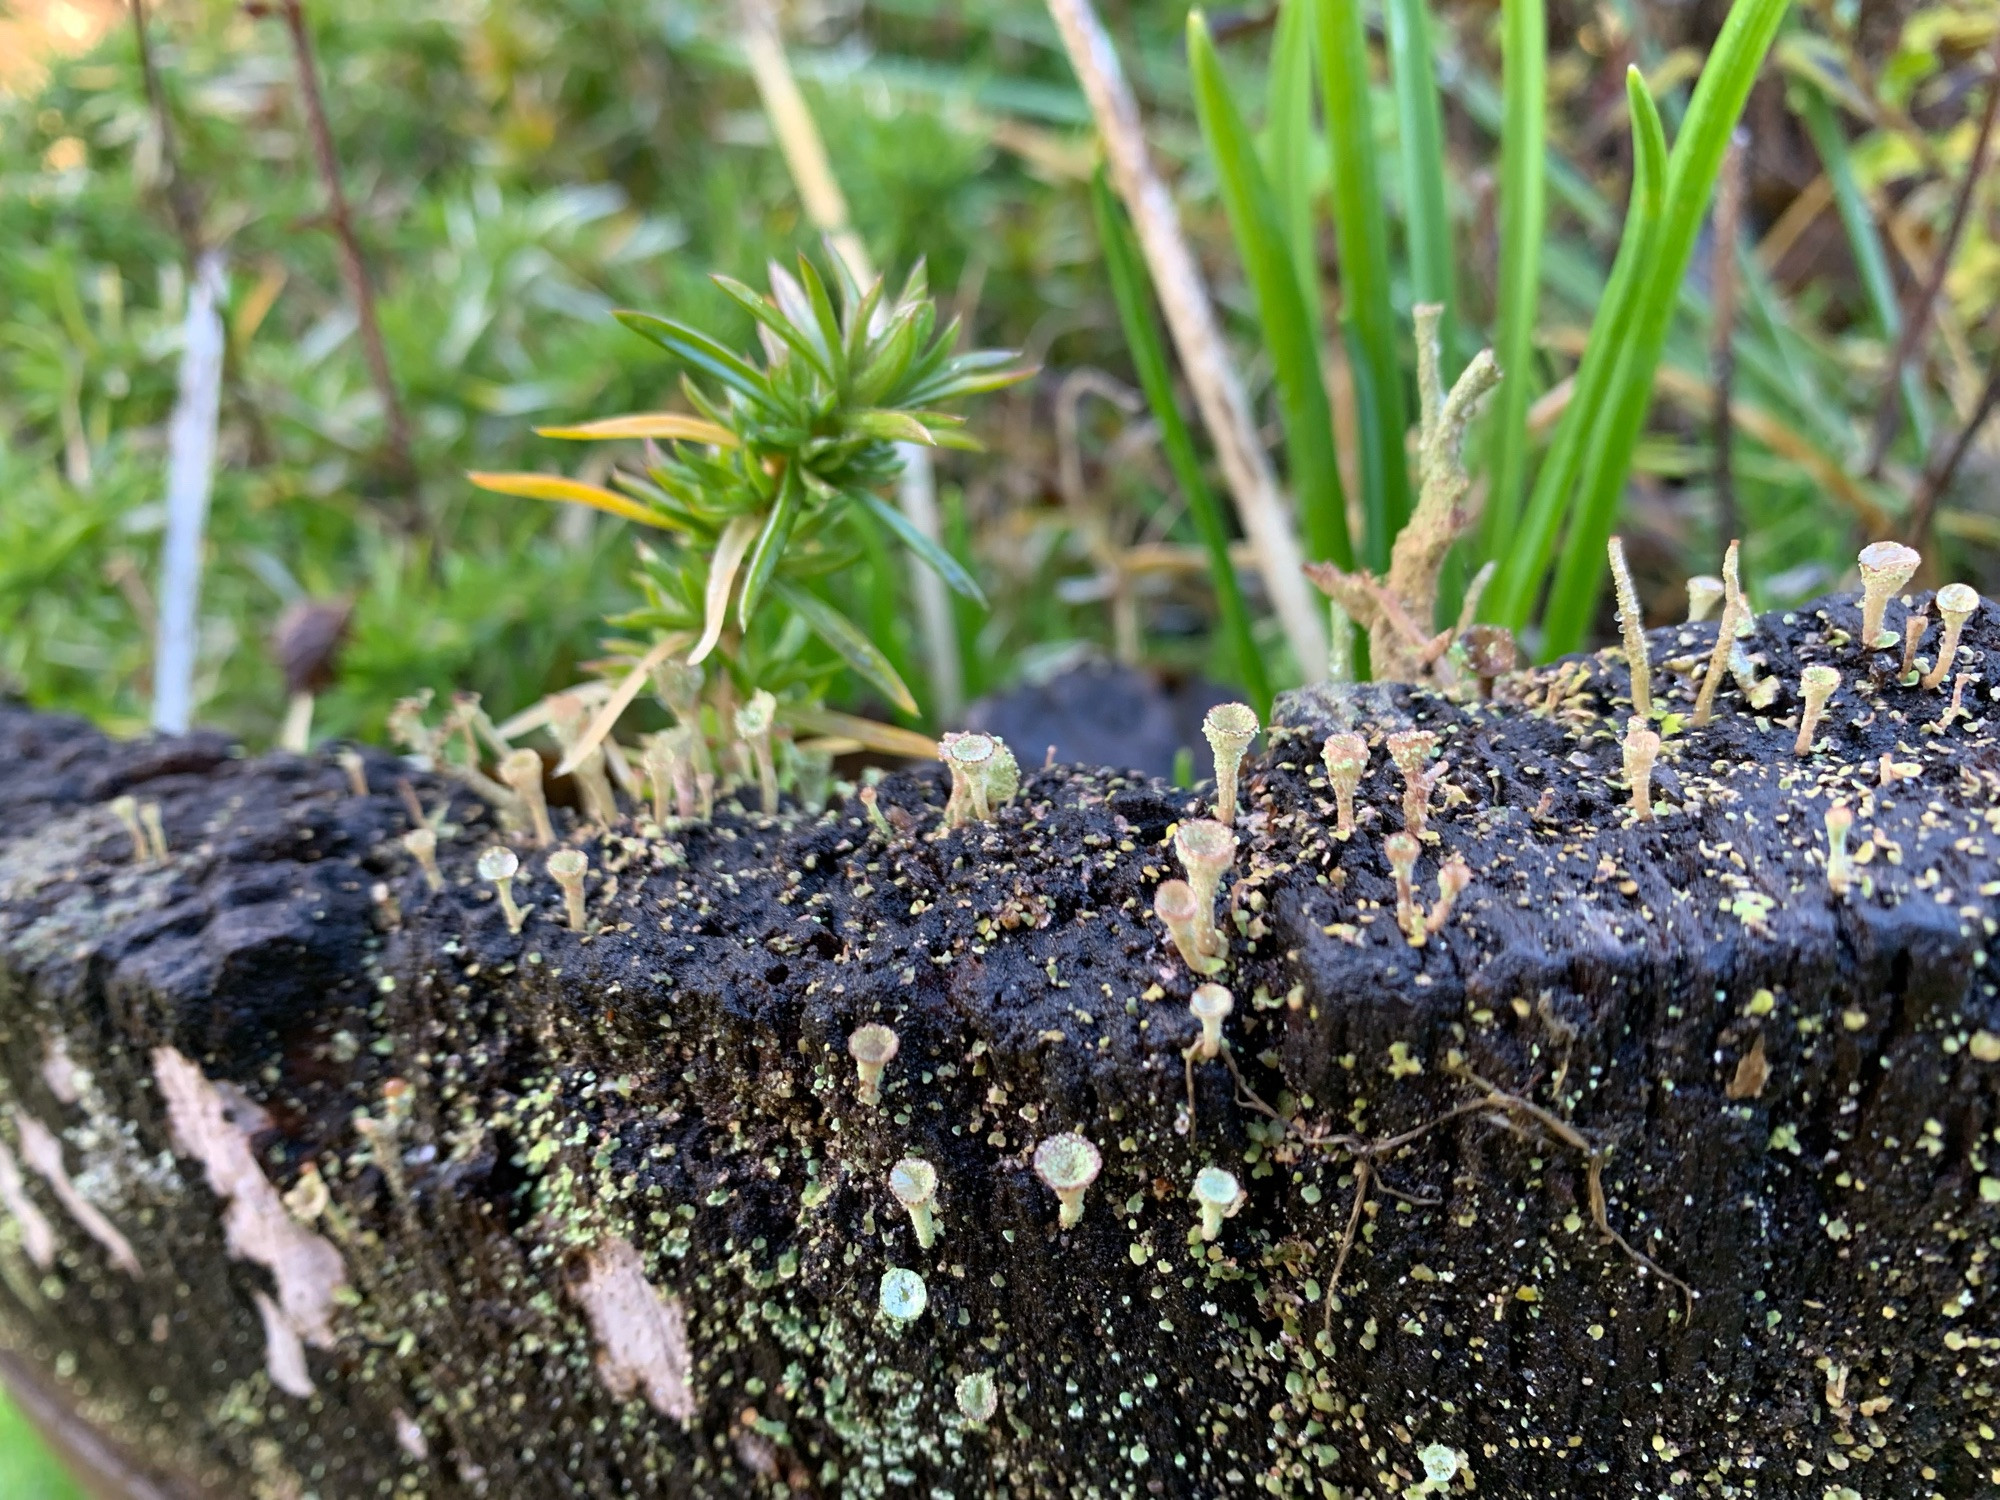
(419, 1206)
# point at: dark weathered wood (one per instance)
(613, 1218)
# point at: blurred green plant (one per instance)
(1582, 475)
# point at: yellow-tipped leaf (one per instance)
(670, 425)
(572, 491)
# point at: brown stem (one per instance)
(354, 270)
(1938, 477)
(1917, 316)
(1722, 333)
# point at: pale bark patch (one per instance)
(38, 1238)
(43, 1153)
(641, 1334)
(284, 1355)
(307, 1268)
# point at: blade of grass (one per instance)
(1811, 106)
(1363, 237)
(1511, 596)
(1289, 145)
(1523, 218)
(1281, 312)
(1133, 293)
(1691, 173)
(1420, 147)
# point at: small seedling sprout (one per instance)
(1817, 683)
(1632, 625)
(1704, 593)
(978, 1398)
(1642, 749)
(1229, 728)
(1956, 603)
(871, 803)
(522, 771)
(1411, 750)
(156, 830)
(1839, 864)
(1210, 1005)
(421, 844)
(873, 1047)
(500, 866)
(1885, 568)
(1400, 849)
(1068, 1164)
(1219, 1196)
(567, 868)
(1175, 905)
(354, 768)
(913, 1181)
(126, 810)
(753, 726)
(1346, 757)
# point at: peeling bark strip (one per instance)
(642, 1334)
(38, 1236)
(308, 1270)
(43, 1153)
(1475, 1172)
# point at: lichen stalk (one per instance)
(521, 770)
(1956, 603)
(1817, 683)
(1641, 750)
(1632, 626)
(1346, 759)
(1725, 639)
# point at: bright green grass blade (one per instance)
(1526, 554)
(1132, 291)
(1859, 220)
(1289, 145)
(1523, 220)
(1289, 334)
(1691, 172)
(27, 1469)
(1420, 145)
(1363, 236)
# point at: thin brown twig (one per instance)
(1917, 316)
(181, 203)
(1361, 1173)
(1938, 477)
(354, 270)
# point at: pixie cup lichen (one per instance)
(500, 866)
(566, 868)
(873, 1047)
(1229, 729)
(1068, 1164)
(1211, 1005)
(1219, 1196)
(913, 1183)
